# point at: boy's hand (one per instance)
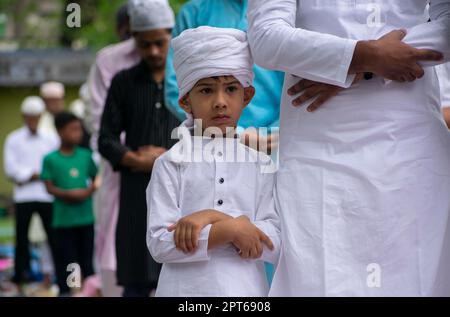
(248, 239)
(187, 229)
(79, 195)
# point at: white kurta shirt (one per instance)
(47, 123)
(443, 72)
(179, 188)
(362, 189)
(23, 155)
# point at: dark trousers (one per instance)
(24, 211)
(75, 245)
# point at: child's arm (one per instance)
(163, 211)
(187, 229)
(245, 236)
(70, 196)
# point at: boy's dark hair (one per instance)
(64, 118)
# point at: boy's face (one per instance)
(71, 133)
(153, 46)
(217, 101)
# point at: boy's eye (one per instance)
(232, 88)
(206, 91)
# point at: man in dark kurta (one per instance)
(135, 105)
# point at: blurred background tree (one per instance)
(42, 24)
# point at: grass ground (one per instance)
(6, 230)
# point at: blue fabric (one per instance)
(264, 110)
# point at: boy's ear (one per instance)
(249, 93)
(185, 104)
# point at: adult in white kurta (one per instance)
(363, 182)
(224, 175)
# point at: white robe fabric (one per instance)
(211, 181)
(362, 189)
(209, 51)
(443, 72)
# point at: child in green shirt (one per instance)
(69, 174)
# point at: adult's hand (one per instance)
(389, 57)
(310, 89)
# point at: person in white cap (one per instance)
(53, 94)
(135, 106)
(24, 151)
(212, 219)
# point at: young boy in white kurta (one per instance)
(211, 214)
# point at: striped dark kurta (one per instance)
(135, 105)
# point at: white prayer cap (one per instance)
(84, 92)
(32, 106)
(78, 108)
(146, 15)
(52, 89)
(208, 52)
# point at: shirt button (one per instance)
(158, 105)
(220, 202)
(221, 180)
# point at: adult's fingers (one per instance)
(322, 99)
(395, 35)
(300, 86)
(428, 55)
(417, 71)
(308, 94)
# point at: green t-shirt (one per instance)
(70, 172)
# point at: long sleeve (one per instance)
(112, 125)
(278, 45)
(434, 35)
(267, 219)
(97, 91)
(185, 20)
(16, 172)
(162, 211)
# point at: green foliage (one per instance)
(40, 27)
(98, 23)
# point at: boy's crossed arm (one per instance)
(244, 235)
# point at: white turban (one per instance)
(32, 106)
(52, 89)
(208, 52)
(146, 15)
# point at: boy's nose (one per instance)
(220, 101)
